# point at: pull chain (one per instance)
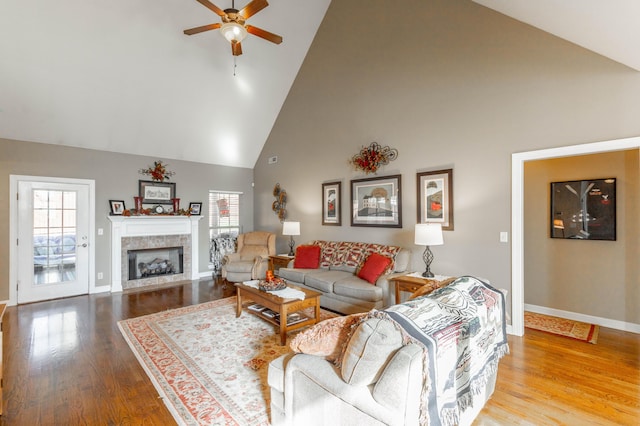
(234, 66)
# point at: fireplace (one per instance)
(148, 263)
(155, 234)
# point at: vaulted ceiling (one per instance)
(121, 76)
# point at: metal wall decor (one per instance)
(279, 206)
(371, 157)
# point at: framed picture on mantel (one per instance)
(157, 192)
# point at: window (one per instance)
(224, 214)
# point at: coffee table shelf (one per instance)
(282, 307)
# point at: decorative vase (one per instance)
(138, 203)
(176, 204)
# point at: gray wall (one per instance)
(450, 84)
(597, 278)
(116, 177)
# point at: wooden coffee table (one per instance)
(282, 306)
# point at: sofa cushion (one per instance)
(297, 275)
(307, 257)
(370, 348)
(323, 281)
(373, 267)
(357, 288)
(345, 268)
(327, 338)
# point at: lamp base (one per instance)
(291, 245)
(427, 256)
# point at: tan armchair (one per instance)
(251, 260)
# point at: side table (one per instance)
(411, 283)
(278, 261)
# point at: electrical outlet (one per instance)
(100, 275)
(273, 160)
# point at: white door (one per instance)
(53, 240)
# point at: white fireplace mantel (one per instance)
(147, 226)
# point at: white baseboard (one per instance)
(100, 289)
(603, 322)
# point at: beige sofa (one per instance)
(337, 276)
(387, 375)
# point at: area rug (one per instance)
(563, 327)
(209, 367)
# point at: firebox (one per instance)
(148, 263)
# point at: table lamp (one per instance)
(428, 234)
(291, 229)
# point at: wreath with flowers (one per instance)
(371, 157)
(158, 172)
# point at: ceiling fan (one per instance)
(233, 26)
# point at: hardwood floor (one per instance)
(66, 363)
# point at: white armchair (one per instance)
(251, 260)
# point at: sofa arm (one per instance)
(260, 266)
(314, 393)
(231, 257)
(401, 382)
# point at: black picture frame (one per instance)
(195, 209)
(332, 203)
(117, 207)
(583, 209)
(435, 197)
(377, 202)
(156, 192)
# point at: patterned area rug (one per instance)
(208, 366)
(563, 327)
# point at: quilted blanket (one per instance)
(462, 329)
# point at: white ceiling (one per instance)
(121, 76)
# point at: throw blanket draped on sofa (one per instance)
(463, 332)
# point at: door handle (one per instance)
(82, 245)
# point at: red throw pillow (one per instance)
(307, 257)
(373, 267)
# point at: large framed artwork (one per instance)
(332, 203)
(584, 209)
(435, 198)
(156, 192)
(377, 202)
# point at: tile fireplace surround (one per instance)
(142, 232)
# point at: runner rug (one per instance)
(563, 327)
(209, 367)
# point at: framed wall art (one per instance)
(584, 209)
(435, 198)
(332, 203)
(157, 192)
(377, 202)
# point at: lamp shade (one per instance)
(429, 234)
(291, 228)
(233, 31)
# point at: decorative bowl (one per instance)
(275, 284)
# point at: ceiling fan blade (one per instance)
(212, 7)
(196, 30)
(236, 48)
(273, 38)
(252, 8)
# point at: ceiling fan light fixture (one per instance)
(233, 31)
